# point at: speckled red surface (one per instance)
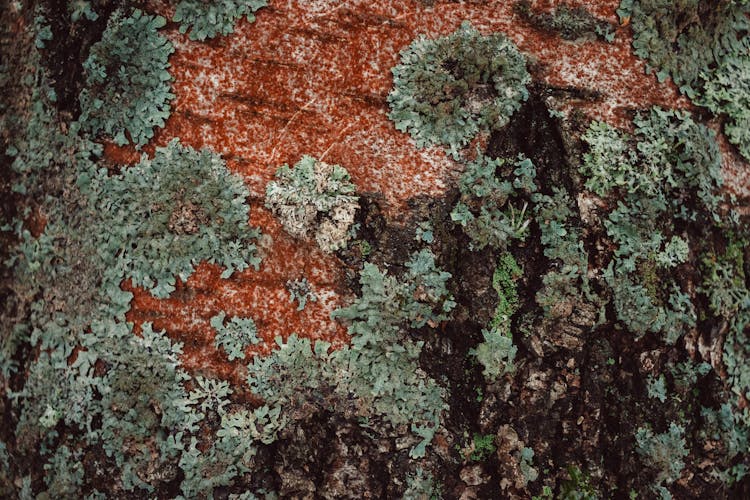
(311, 77)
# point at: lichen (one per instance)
(314, 200)
(196, 211)
(127, 79)
(447, 90)
(492, 209)
(704, 47)
(207, 19)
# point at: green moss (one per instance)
(504, 280)
(127, 82)
(497, 352)
(449, 89)
(579, 486)
(484, 447)
(491, 210)
(650, 280)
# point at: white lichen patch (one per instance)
(314, 200)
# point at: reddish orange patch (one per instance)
(36, 222)
(312, 77)
(260, 295)
(736, 172)
(122, 155)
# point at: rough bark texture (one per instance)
(312, 78)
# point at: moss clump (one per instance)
(497, 352)
(448, 89)
(504, 280)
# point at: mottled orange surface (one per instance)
(311, 77)
(261, 295)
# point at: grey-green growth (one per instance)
(725, 426)
(664, 452)
(725, 287)
(561, 239)
(209, 18)
(491, 210)
(377, 375)
(208, 395)
(669, 153)
(174, 211)
(670, 164)
(497, 352)
(422, 485)
(43, 30)
(705, 48)
(235, 335)
(314, 199)
(447, 90)
(571, 23)
(301, 291)
(127, 82)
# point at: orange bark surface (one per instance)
(312, 77)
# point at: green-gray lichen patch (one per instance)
(209, 18)
(235, 335)
(127, 82)
(705, 48)
(447, 90)
(491, 210)
(377, 376)
(165, 215)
